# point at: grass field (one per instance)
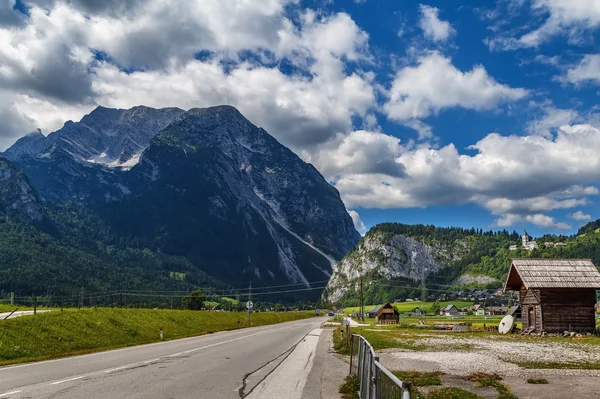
(57, 334)
(4, 307)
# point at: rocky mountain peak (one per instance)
(18, 199)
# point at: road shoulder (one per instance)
(328, 371)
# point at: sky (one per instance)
(473, 113)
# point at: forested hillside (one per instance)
(392, 259)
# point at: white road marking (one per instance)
(9, 393)
(68, 380)
(115, 369)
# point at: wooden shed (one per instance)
(556, 294)
(387, 314)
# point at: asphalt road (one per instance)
(19, 314)
(221, 365)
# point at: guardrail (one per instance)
(376, 382)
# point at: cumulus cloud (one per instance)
(539, 219)
(360, 152)
(71, 56)
(564, 17)
(588, 69)
(514, 177)
(552, 119)
(434, 28)
(358, 223)
(579, 215)
(435, 84)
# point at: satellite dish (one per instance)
(506, 325)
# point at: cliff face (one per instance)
(377, 254)
(18, 199)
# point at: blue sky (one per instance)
(475, 113)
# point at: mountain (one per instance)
(216, 188)
(208, 187)
(83, 160)
(18, 199)
(392, 259)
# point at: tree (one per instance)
(194, 300)
(435, 308)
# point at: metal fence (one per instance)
(376, 382)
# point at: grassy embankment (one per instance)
(57, 334)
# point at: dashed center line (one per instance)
(67, 380)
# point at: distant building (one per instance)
(418, 311)
(512, 248)
(449, 310)
(549, 244)
(530, 245)
(387, 314)
(560, 244)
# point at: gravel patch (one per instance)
(463, 356)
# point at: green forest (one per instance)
(480, 253)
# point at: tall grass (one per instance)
(57, 334)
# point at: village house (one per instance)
(495, 310)
(512, 247)
(556, 295)
(387, 314)
(418, 311)
(449, 310)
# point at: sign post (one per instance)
(249, 306)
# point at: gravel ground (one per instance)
(462, 356)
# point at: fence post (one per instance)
(351, 353)
(377, 382)
(35, 305)
(406, 390)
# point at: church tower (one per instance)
(525, 239)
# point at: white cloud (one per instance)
(423, 129)
(434, 28)
(553, 119)
(435, 84)
(359, 152)
(579, 215)
(49, 72)
(570, 18)
(538, 219)
(511, 176)
(358, 223)
(588, 69)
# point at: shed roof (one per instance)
(374, 310)
(449, 307)
(552, 273)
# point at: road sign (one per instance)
(249, 305)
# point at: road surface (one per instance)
(19, 314)
(254, 362)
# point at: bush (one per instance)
(349, 389)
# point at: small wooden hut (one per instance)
(387, 314)
(556, 294)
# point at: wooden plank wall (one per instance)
(568, 309)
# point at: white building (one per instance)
(512, 248)
(530, 245)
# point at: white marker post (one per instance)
(161, 334)
(249, 306)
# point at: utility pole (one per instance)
(12, 298)
(362, 302)
(81, 298)
(423, 289)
